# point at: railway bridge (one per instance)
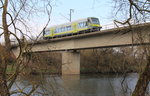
(69, 45)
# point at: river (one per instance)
(80, 85)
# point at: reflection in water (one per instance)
(81, 85)
(101, 85)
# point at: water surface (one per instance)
(80, 85)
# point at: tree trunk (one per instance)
(5, 26)
(5, 53)
(4, 91)
(141, 86)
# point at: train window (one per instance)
(59, 29)
(56, 30)
(82, 24)
(68, 28)
(47, 32)
(95, 20)
(62, 29)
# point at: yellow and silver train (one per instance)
(89, 24)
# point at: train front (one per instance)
(94, 23)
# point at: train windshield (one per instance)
(47, 32)
(95, 20)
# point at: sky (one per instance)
(82, 8)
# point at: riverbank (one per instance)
(91, 61)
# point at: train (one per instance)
(89, 24)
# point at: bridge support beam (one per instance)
(70, 63)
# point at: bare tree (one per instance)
(15, 17)
(137, 11)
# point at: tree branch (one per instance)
(137, 7)
(128, 20)
(2, 4)
(17, 13)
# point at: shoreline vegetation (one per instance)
(96, 61)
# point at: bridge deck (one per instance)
(124, 36)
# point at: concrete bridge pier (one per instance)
(70, 62)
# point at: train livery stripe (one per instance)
(61, 33)
(96, 25)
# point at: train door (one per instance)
(88, 23)
(52, 32)
(74, 27)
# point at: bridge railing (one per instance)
(112, 25)
(116, 25)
